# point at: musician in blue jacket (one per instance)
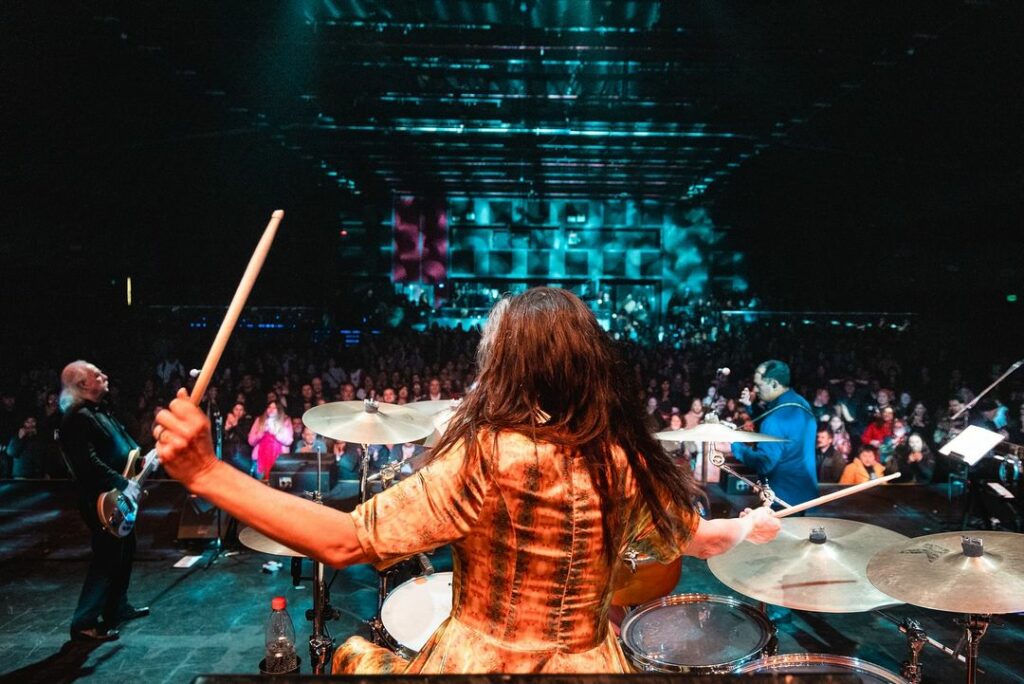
(789, 467)
(96, 447)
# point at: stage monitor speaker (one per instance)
(199, 519)
(299, 474)
(646, 678)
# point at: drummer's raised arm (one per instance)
(186, 452)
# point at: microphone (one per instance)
(425, 567)
(724, 372)
(194, 373)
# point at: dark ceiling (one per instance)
(865, 141)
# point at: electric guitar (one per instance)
(118, 510)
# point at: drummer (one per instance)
(545, 474)
(789, 467)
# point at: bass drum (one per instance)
(821, 663)
(697, 633)
(414, 610)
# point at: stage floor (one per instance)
(209, 618)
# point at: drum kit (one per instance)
(826, 565)
(408, 614)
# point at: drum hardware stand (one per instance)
(321, 643)
(762, 489)
(915, 632)
(975, 627)
(387, 475)
(916, 639)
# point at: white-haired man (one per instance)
(97, 446)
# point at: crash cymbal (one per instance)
(257, 541)
(939, 572)
(795, 572)
(433, 407)
(366, 422)
(714, 432)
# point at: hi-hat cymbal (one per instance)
(714, 432)
(257, 541)
(795, 572)
(440, 420)
(362, 422)
(939, 572)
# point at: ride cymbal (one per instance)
(977, 572)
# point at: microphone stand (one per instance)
(969, 405)
(213, 414)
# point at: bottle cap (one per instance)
(278, 603)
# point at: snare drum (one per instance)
(415, 609)
(698, 633)
(821, 663)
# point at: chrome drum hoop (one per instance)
(795, 663)
(696, 633)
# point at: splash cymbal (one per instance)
(368, 422)
(797, 571)
(257, 541)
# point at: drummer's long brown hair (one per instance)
(543, 351)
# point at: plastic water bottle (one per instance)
(280, 639)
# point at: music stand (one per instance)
(969, 447)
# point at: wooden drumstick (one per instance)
(834, 495)
(235, 308)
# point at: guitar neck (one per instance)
(152, 462)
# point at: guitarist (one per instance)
(97, 447)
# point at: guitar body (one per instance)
(118, 510)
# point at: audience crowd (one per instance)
(882, 394)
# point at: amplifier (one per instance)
(200, 519)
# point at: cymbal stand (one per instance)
(387, 474)
(915, 635)
(916, 639)
(364, 474)
(975, 627)
(321, 643)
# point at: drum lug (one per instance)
(630, 558)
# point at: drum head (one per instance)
(416, 608)
(821, 663)
(695, 632)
